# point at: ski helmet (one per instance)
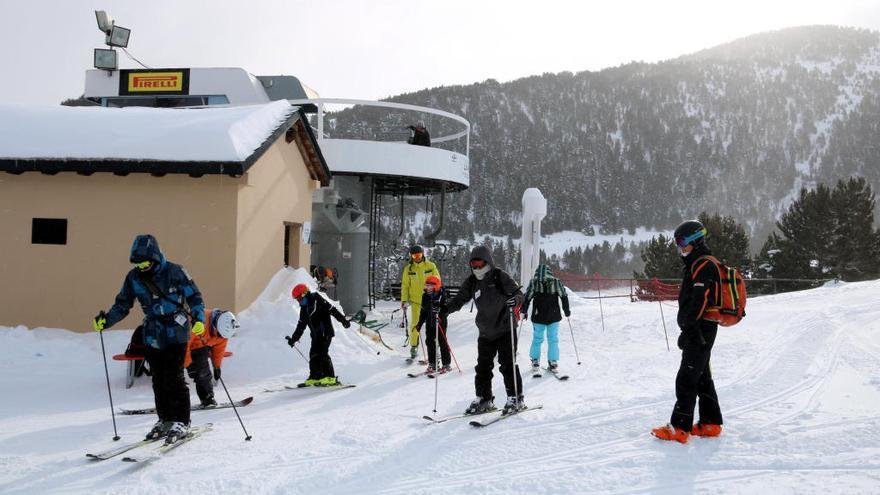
(690, 232)
(299, 291)
(416, 249)
(227, 325)
(434, 280)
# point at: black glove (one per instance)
(216, 373)
(525, 315)
(682, 340)
(512, 302)
(290, 341)
(567, 314)
(346, 323)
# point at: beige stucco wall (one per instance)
(278, 191)
(65, 286)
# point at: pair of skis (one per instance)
(537, 373)
(341, 386)
(481, 424)
(195, 407)
(163, 449)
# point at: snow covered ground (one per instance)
(798, 383)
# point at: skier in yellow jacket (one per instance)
(412, 287)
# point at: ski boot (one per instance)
(177, 431)
(514, 404)
(445, 368)
(327, 381)
(413, 352)
(536, 366)
(208, 402)
(669, 433)
(706, 430)
(480, 405)
(430, 370)
(159, 430)
(552, 366)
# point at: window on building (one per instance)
(49, 231)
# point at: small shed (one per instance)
(226, 191)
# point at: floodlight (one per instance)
(105, 22)
(118, 36)
(105, 58)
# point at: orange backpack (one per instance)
(732, 293)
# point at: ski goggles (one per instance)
(143, 265)
(682, 242)
(477, 263)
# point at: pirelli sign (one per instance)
(153, 82)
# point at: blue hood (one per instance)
(146, 248)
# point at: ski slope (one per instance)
(798, 383)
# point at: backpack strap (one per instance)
(707, 259)
(157, 292)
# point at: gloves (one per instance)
(567, 314)
(216, 373)
(525, 315)
(99, 322)
(402, 304)
(512, 302)
(290, 341)
(346, 323)
(198, 328)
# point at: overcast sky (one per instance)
(372, 49)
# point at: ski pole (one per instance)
(515, 370)
(107, 375)
(246, 436)
(449, 346)
(573, 342)
(301, 354)
(601, 311)
(436, 356)
(663, 319)
(361, 338)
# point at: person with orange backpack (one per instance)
(700, 292)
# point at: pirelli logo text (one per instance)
(154, 82)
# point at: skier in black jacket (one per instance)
(699, 291)
(433, 301)
(314, 312)
(496, 295)
(547, 292)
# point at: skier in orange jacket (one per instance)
(221, 325)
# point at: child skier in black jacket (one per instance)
(433, 300)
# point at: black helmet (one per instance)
(416, 249)
(690, 232)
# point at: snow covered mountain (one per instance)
(737, 129)
(796, 379)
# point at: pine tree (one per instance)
(852, 253)
(728, 241)
(661, 258)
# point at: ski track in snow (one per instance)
(797, 381)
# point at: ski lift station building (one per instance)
(237, 176)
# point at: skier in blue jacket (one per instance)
(171, 302)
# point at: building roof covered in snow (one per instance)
(194, 141)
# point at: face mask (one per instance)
(481, 272)
(144, 265)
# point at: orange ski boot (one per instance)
(706, 430)
(669, 433)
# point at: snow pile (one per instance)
(797, 383)
(134, 133)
